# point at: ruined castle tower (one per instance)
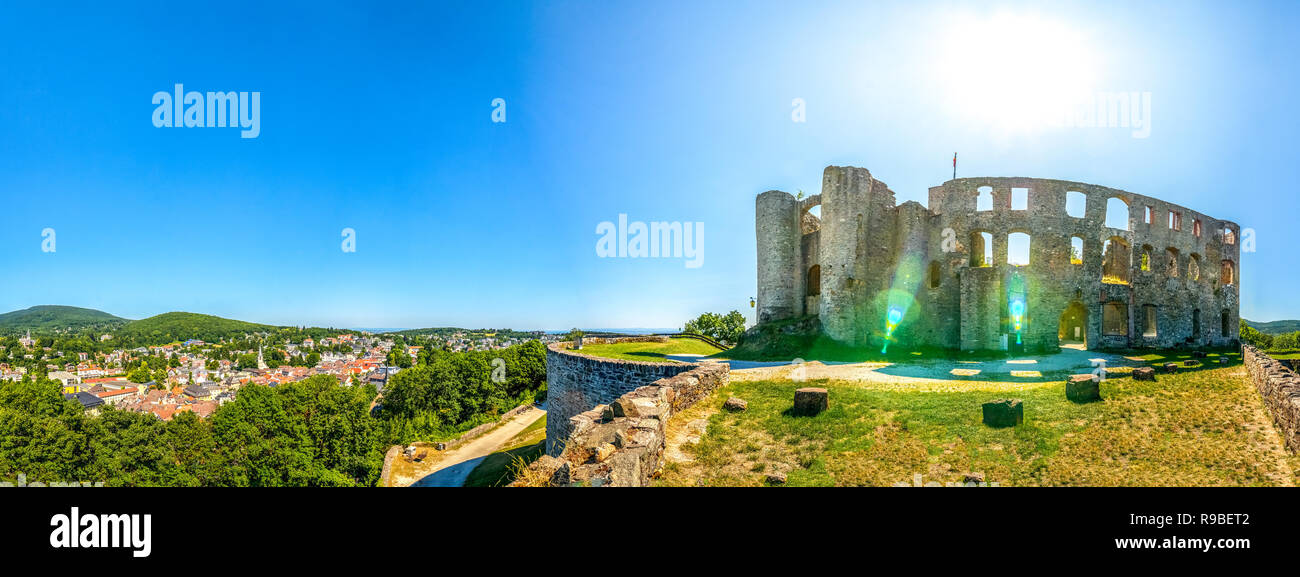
(996, 264)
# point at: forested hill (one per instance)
(1275, 327)
(179, 326)
(57, 318)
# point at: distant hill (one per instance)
(445, 332)
(52, 318)
(179, 326)
(1275, 327)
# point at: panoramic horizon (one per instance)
(848, 244)
(477, 183)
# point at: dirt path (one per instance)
(455, 465)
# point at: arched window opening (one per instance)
(1115, 261)
(1114, 319)
(1227, 273)
(1149, 318)
(1194, 267)
(984, 200)
(1171, 262)
(1076, 250)
(1018, 249)
(1076, 203)
(936, 274)
(1146, 258)
(1117, 213)
(815, 280)
(1223, 323)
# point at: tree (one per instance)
(398, 357)
(726, 328)
(1254, 337)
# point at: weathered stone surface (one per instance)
(1279, 386)
(776, 478)
(603, 452)
(1144, 374)
(1082, 389)
(1191, 363)
(1004, 413)
(622, 443)
(560, 477)
(973, 478)
(1169, 368)
(735, 405)
(577, 382)
(810, 401)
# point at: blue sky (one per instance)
(378, 118)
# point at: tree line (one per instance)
(314, 432)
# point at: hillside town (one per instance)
(199, 376)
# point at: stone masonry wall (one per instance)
(1174, 266)
(621, 444)
(576, 382)
(1280, 388)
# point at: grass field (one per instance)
(497, 469)
(650, 351)
(1199, 427)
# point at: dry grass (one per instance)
(1198, 427)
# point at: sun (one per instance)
(1012, 72)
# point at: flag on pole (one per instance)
(954, 166)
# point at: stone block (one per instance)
(1082, 389)
(1198, 354)
(1169, 368)
(735, 405)
(1004, 413)
(810, 401)
(603, 452)
(1144, 374)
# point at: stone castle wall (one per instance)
(1280, 388)
(927, 262)
(576, 382)
(621, 444)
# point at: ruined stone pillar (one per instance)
(780, 287)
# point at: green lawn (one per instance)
(650, 351)
(1198, 427)
(498, 469)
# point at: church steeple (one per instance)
(261, 362)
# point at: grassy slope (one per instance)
(1201, 427)
(497, 469)
(650, 351)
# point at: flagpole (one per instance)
(954, 166)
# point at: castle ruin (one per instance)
(996, 264)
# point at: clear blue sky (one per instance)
(378, 118)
